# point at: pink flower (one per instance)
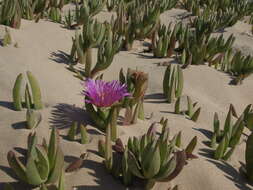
(104, 94)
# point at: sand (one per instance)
(42, 49)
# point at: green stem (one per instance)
(108, 143)
(114, 134)
(141, 111)
(88, 62)
(150, 184)
(136, 112)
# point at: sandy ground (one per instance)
(42, 49)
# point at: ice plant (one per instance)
(104, 94)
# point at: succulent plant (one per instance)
(227, 138)
(84, 135)
(61, 183)
(248, 117)
(104, 111)
(10, 13)
(136, 20)
(33, 119)
(69, 20)
(44, 162)
(173, 83)
(36, 93)
(164, 41)
(166, 5)
(72, 133)
(112, 4)
(152, 159)
(101, 148)
(192, 112)
(248, 157)
(193, 115)
(137, 84)
(240, 67)
(32, 100)
(95, 6)
(149, 158)
(54, 10)
(7, 40)
(95, 33)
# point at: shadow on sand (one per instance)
(64, 115)
(232, 174)
(8, 105)
(60, 57)
(156, 98)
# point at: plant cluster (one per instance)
(150, 158)
(44, 163)
(32, 99)
(94, 33)
(137, 84)
(228, 138)
(12, 11)
(84, 139)
(238, 65)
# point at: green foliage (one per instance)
(137, 19)
(112, 4)
(137, 83)
(150, 158)
(69, 19)
(240, 67)
(36, 92)
(32, 100)
(201, 48)
(33, 119)
(10, 13)
(229, 137)
(192, 111)
(193, 115)
(248, 157)
(164, 40)
(248, 117)
(166, 5)
(7, 40)
(84, 134)
(95, 33)
(44, 162)
(173, 83)
(73, 131)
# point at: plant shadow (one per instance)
(102, 178)
(8, 105)
(60, 57)
(64, 115)
(143, 55)
(19, 125)
(16, 185)
(156, 98)
(205, 132)
(232, 174)
(206, 152)
(9, 172)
